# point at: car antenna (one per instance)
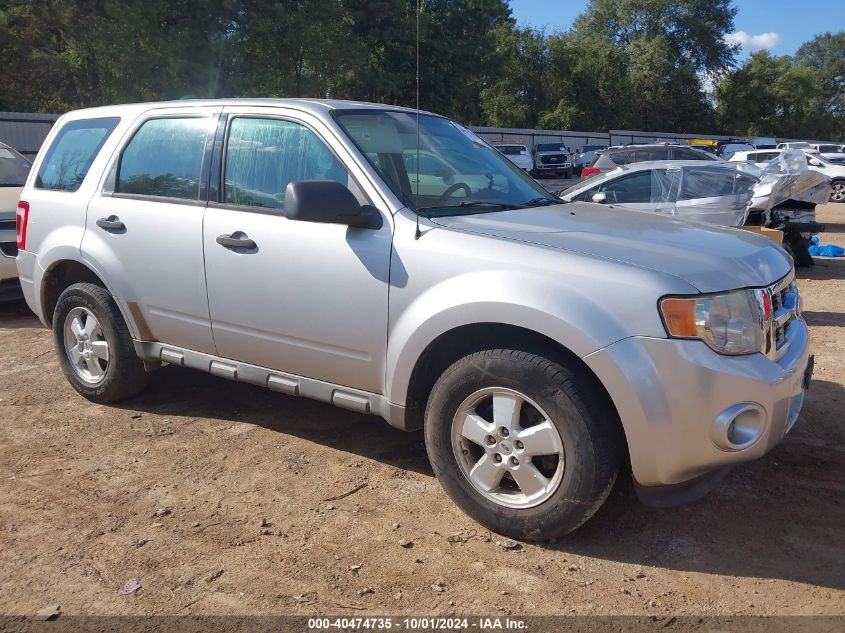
(417, 233)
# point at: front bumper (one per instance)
(553, 167)
(672, 397)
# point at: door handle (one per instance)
(241, 241)
(111, 223)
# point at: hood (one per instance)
(710, 258)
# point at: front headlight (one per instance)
(729, 323)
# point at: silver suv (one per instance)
(542, 346)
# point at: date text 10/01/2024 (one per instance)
(411, 623)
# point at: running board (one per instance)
(288, 384)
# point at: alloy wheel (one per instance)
(86, 345)
(507, 447)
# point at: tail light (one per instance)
(21, 218)
(590, 171)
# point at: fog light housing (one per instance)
(738, 427)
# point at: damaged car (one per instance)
(781, 195)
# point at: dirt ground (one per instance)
(213, 495)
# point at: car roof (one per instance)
(635, 145)
(662, 164)
(315, 106)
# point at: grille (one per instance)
(784, 297)
(553, 159)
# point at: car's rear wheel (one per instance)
(94, 345)
(528, 447)
(837, 191)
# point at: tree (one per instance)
(824, 56)
(517, 97)
(649, 55)
(768, 96)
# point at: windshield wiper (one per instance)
(487, 203)
(537, 202)
(480, 205)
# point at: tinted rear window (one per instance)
(619, 157)
(682, 153)
(73, 150)
(164, 158)
(510, 150)
(14, 168)
(651, 153)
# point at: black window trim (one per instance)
(111, 181)
(218, 167)
(37, 175)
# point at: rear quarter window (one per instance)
(611, 159)
(71, 153)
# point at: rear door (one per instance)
(144, 227)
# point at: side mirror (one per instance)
(328, 202)
(815, 162)
(599, 198)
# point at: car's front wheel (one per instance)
(94, 345)
(527, 446)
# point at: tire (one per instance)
(798, 247)
(590, 442)
(837, 191)
(121, 373)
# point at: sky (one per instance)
(779, 26)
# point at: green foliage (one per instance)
(625, 63)
(802, 97)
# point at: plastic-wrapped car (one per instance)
(723, 193)
(712, 192)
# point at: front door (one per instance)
(304, 298)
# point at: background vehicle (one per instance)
(709, 192)
(704, 144)
(14, 169)
(716, 193)
(763, 142)
(518, 155)
(585, 156)
(831, 152)
(728, 149)
(816, 162)
(614, 157)
(806, 147)
(757, 157)
(298, 256)
(551, 159)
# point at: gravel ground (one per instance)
(216, 497)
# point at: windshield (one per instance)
(551, 147)
(511, 150)
(587, 181)
(452, 171)
(14, 168)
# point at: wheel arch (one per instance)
(66, 272)
(462, 340)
